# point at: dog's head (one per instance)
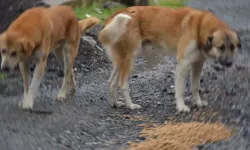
(222, 45)
(14, 49)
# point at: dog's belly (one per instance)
(159, 47)
(58, 45)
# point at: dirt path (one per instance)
(85, 121)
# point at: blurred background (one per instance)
(104, 8)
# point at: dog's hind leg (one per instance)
(71, 77)
(112, 85)
(59, 54)
(68, 85)
(69, 54)
(125, 67)
(195, 82)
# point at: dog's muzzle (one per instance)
(227, 61)
(5, 68)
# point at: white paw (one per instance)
(61, 96)
(134, 106)
(201, 103)
(119, 104)
(26, 104)
(182, 108)
(116, 104)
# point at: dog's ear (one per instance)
(209, 42)
(3, 39)
(27, 47)
(239, 41)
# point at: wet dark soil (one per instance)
(85, 121)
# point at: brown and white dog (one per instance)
(189, 34)
(34, 35)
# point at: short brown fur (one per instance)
(34, 35)
(175, 31)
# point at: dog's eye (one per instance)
(231, 47)
(4, 51)
(13, 54)
(222, 47)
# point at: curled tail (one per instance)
(114, 30)
(86, 24)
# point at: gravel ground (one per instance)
(234, 106)
(85, 121)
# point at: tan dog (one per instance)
(34, 35)
(189, 34)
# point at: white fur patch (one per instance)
(214, 53)
(117, 27)
(192, 53)
(4, 61)
(108, 49)
(122, 16)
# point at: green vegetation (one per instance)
(103, 14)
(169, 3)
(2, 76)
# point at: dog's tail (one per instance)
(86, 24)
(116, 27)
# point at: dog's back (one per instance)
(157, 24)
(56, 22)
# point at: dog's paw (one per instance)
(116, 104)
(134, 106)
(61, 96)
(119, 104)
(201, 103)
(26, 105)
(182, 108)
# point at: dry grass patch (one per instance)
(180, 136)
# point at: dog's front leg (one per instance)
(180, 80)
(37, 77)
(195, 82)
(186, 56)
(25, 71)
